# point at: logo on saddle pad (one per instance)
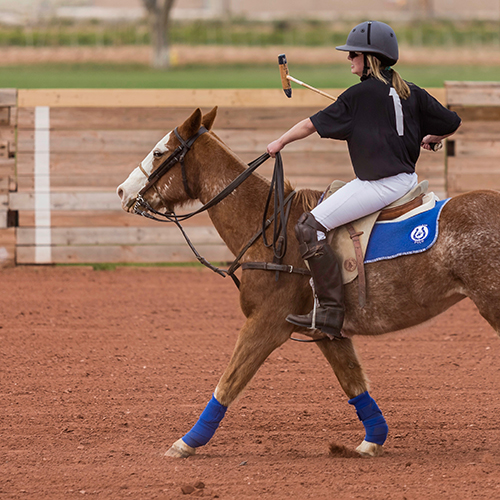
(413, 235)
(420, 233)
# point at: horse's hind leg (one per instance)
(343, 359)
(489, 308)
(258, 338)
(345, 363)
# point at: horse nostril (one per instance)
(119, 192)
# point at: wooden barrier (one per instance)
(474, 151)
(8, 115)
(74, 147)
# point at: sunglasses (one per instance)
(353, 55)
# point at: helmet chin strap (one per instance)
(366, 68)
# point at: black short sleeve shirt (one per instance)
(384, 132)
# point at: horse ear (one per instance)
(209, 118)
(191, 125)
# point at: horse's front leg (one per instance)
(345, 363)
(256, 341)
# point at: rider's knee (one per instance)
(306, 232)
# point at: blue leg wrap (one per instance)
(369, 413)
(207, 424)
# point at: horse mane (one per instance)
(307, 199)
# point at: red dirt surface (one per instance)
(101, 371)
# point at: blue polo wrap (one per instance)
(370, 415)
(207, 424)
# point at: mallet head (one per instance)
(287, 87)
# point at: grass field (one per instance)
(141, 76)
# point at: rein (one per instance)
(280, 217)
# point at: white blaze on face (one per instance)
(129, 189)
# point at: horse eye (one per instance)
(157, 153)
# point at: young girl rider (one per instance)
(385, 121)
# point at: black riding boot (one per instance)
(326, 273)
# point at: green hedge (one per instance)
(438, 33)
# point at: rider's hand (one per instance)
(429, 140)
(274, 147)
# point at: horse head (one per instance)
(161, 179)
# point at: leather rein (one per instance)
(282, 207)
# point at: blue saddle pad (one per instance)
(414, 235)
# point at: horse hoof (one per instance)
(180, 450)
(366, 449)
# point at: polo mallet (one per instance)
(286, 79)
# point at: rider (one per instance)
(385, 120)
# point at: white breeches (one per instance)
(359, 198)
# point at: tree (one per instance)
(159, 24)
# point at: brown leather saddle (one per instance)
(349, 242)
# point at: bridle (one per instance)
(142, 207)
(282, 207)
(176, 157)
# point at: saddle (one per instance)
(349, 242)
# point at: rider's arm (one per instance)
(299, 131)
(428, 140)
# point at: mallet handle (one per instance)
(298, 82)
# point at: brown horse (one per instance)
(402, 292)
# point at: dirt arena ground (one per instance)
(101, 371)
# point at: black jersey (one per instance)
(384, 132)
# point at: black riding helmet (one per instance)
(373, 37)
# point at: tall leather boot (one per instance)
(326, 274)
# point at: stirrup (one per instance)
(315, 333)
(315, 309)
(333, 334)
(308, 326)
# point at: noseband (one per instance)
(176, 157)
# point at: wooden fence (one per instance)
(8, 116)
(473, 159)
(74, 147)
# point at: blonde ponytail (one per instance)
(398, 83)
